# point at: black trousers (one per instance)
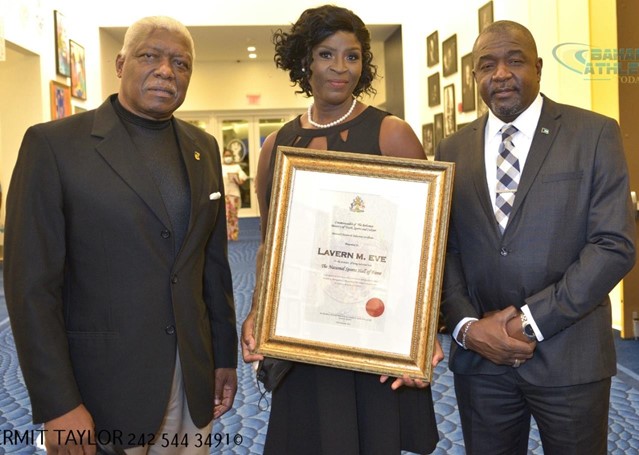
(495, 413)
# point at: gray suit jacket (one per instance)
(98, 299)
(569, 240)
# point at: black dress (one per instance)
(329, 411)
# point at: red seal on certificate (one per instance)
(375, 307)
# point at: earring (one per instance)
(303, 70)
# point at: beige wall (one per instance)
(20, 88)
(109, 49)
(605, 100)
(550, 21)
(29, 24)
(227, 86)
(604, 93)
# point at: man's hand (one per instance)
(77, 421)
(225, 389)
(489, 338)
(248, 339)
(438, 356)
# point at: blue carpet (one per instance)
(242, 430)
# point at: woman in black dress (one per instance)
(315, 409)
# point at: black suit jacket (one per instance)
(98, 299)
(569, 240)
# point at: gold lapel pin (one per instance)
(196, 155)
(545, 131)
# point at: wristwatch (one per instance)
(527, 328)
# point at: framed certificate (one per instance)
(353, 261)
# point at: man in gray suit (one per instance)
(116, 272)
(542, 229)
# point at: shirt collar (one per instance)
(526, 122)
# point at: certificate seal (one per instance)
(375, 307)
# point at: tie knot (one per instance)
(507, 131)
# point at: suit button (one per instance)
(503, 252)
(174, 279)
(165, 234)
(170, 330)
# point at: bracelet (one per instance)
(464, 333)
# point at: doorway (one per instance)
(243, 133)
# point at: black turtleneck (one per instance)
(157, 145)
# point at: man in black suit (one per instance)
(116, 272)
(542, 229)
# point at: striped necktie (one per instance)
(508, 173)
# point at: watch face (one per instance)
(528, 330)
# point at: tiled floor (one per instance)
(242, 430)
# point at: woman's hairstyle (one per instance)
(138, 31)
(294, 49)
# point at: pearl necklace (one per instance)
(334, 122)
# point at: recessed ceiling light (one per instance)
(252, 55)
(251, 49)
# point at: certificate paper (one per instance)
(341, 277)
(348, 276)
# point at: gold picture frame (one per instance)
(353, 261)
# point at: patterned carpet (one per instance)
(242, 430)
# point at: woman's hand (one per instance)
(438, 353)
(405, 381)
(248, 339)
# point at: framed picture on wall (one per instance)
(467, 83)
(62, 60)
(450, 125)
(485, 15)
(427, 139)
(60, 100)
(432, 49)
(238, 148)
(438, 129)
(481, 106)
(78, 71)
(433, 90)
(449, 56)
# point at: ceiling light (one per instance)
(252, 55)
(251, 49)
